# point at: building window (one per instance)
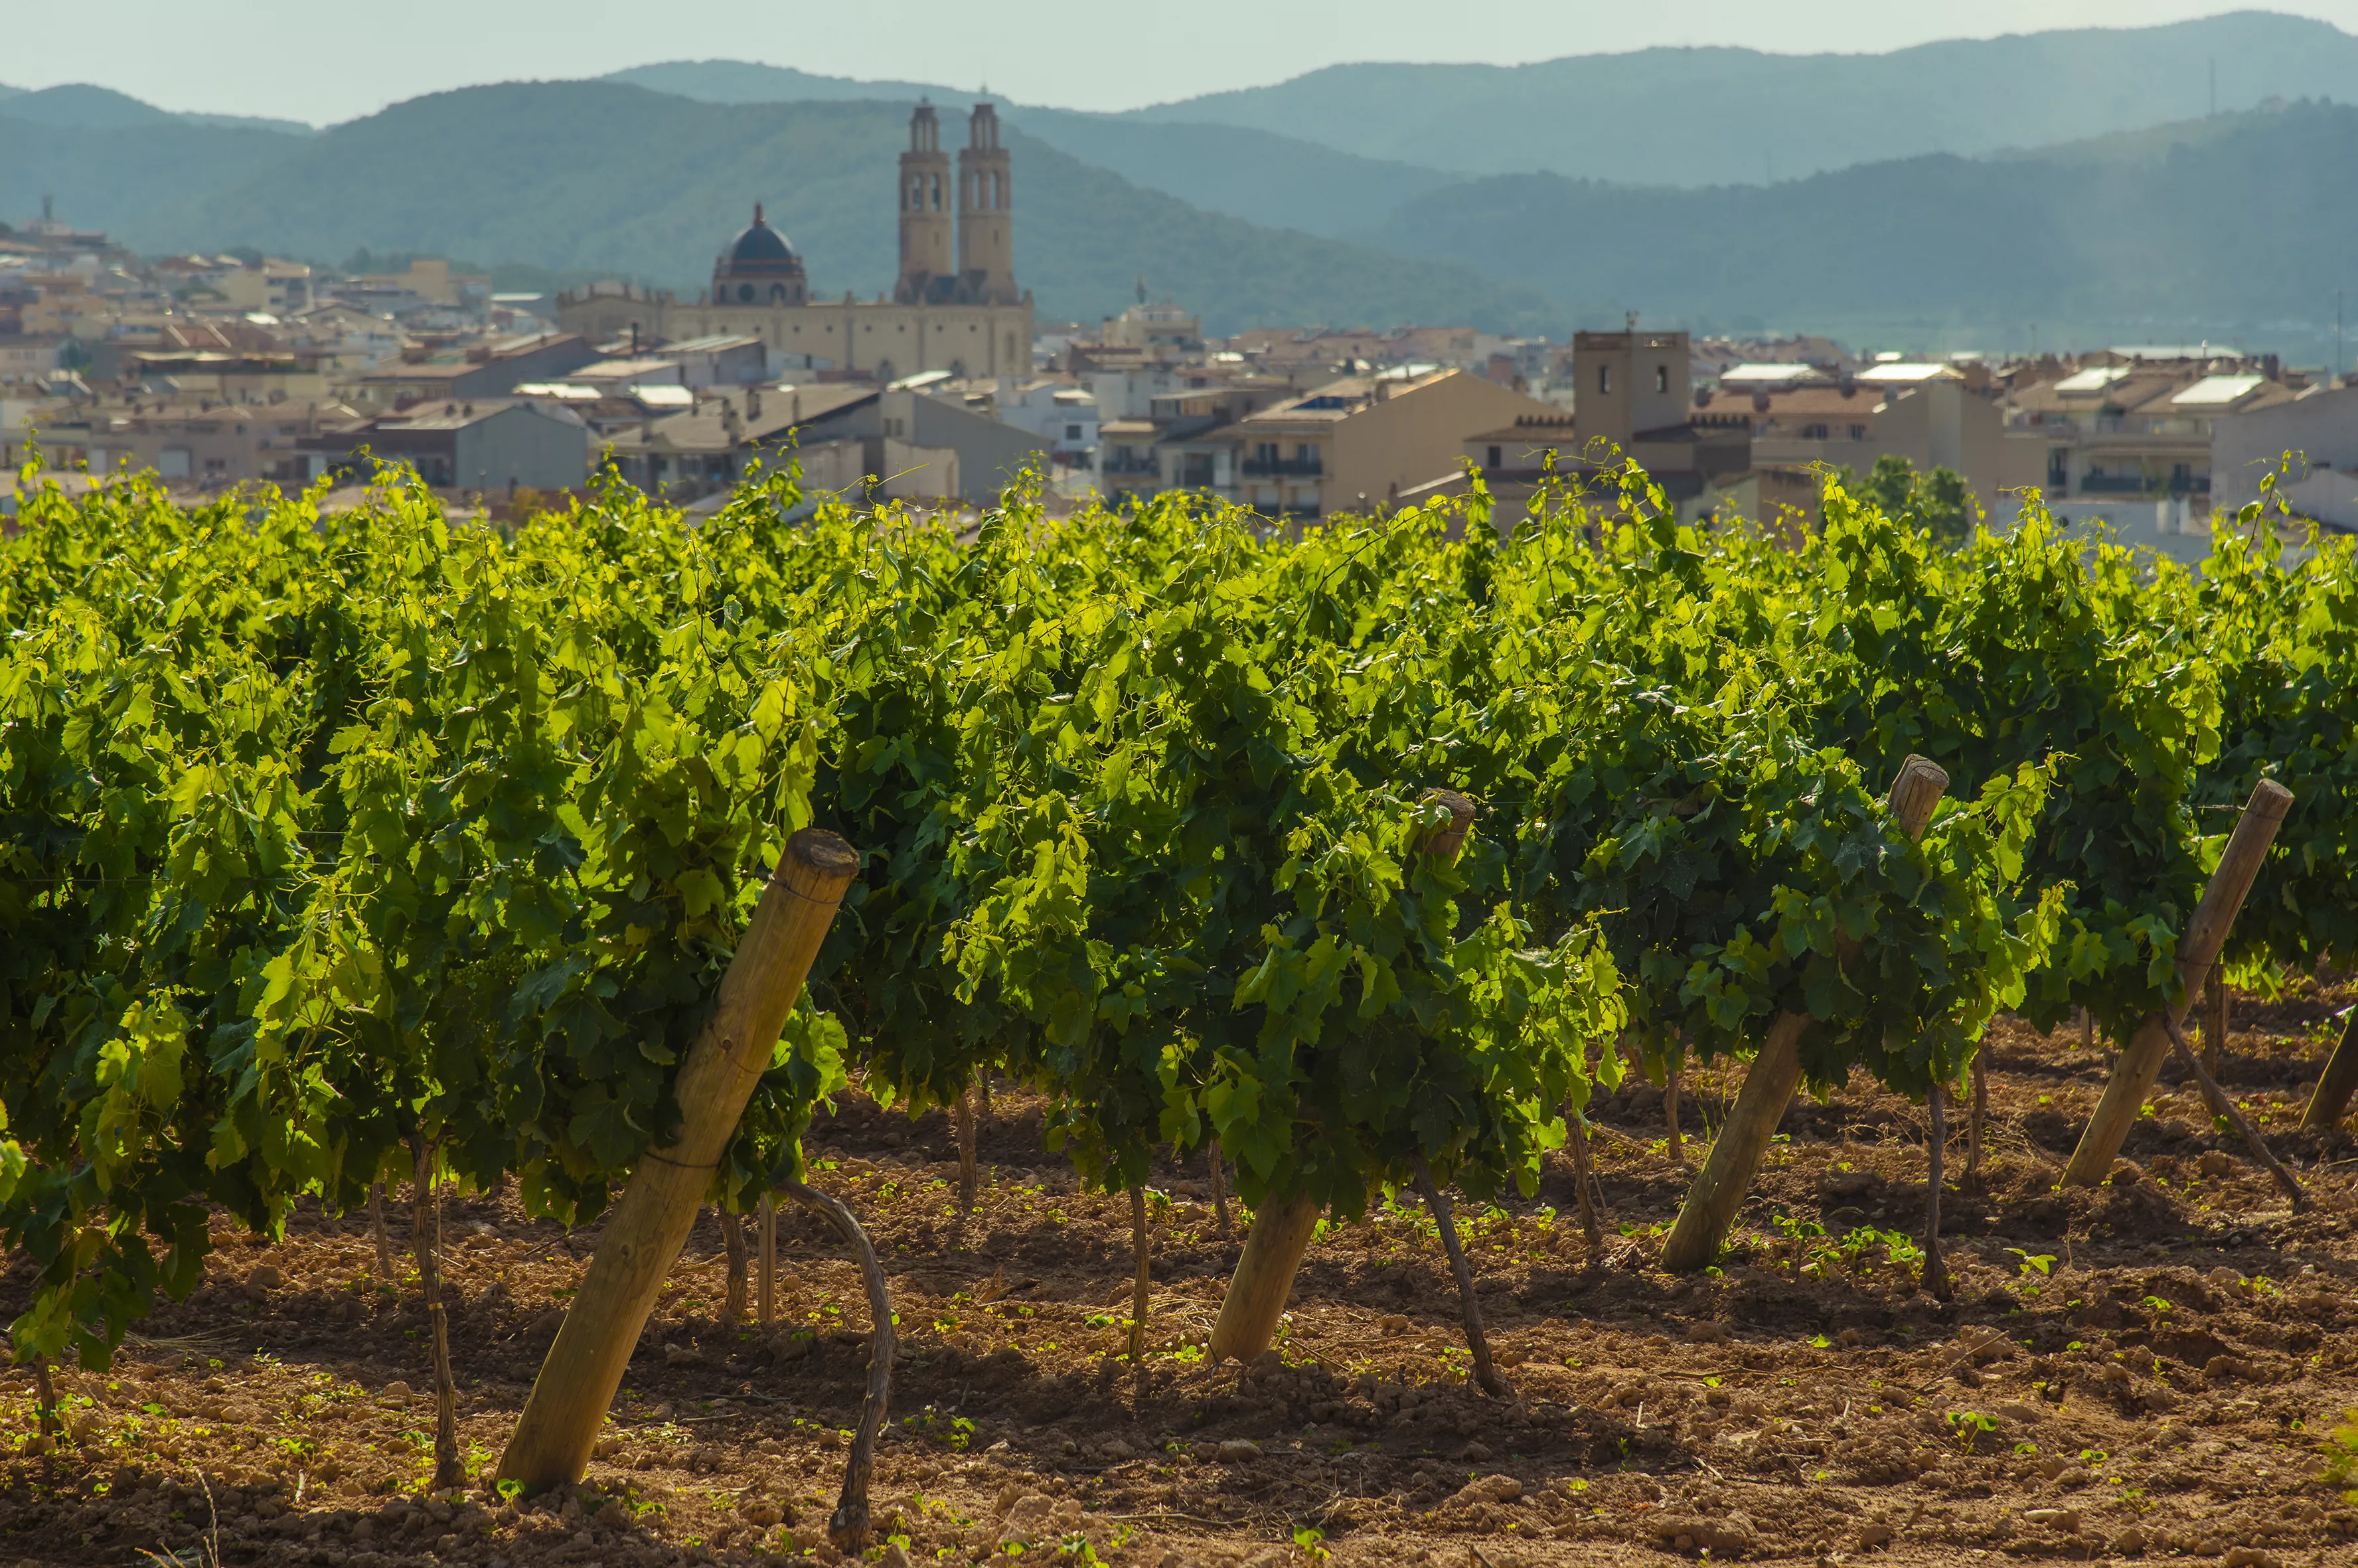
(1813, 432)
(1605, 379)
(1305, 454)
(1858, 432)
(1497, 458)
(1661, 378)
(745, 294)
(1265, 451)
(2058, 466)
(1072, 432)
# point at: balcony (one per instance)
(2145, 484)
(1120, 463)
(1285, 467)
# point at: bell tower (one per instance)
(925, 267)
(986, 214)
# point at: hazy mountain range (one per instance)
(588, 178)
(1703, 116)
(1522, 198)
(80, 106)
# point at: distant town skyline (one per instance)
(294, 61)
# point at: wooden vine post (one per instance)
(1281, 1227)
(1768, 1083)
(2333, 1091)
(1280, 1234)
(2139, 1062)
(650, 1221)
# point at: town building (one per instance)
(479, 370)
(967, 317)
(2311, 437)
(1353, 444)
(195, 442)
(1159, 332)
(480, 446)
(2132, 428)
(1063, 415)
(689, 456)
(1926, 414)
(271, 285)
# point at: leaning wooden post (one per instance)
(1768, 1083)
(1274, 1242)
(1283, 1227)
(576, 1382)
(2333, 1091)
(2198, 948)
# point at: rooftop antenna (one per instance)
(1141, 288)
(2214, 85)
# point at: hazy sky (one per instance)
(323, 63)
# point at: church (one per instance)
(961, 314)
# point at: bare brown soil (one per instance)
(2135, 1372)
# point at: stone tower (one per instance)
(926, 272)
(986, 215)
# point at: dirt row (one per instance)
(2147, 1369)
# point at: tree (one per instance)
(1937, 503)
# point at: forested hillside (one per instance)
(591, 178)
(2221, 225)
(1712, 116)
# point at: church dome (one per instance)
(759, 268)
(759, 248)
